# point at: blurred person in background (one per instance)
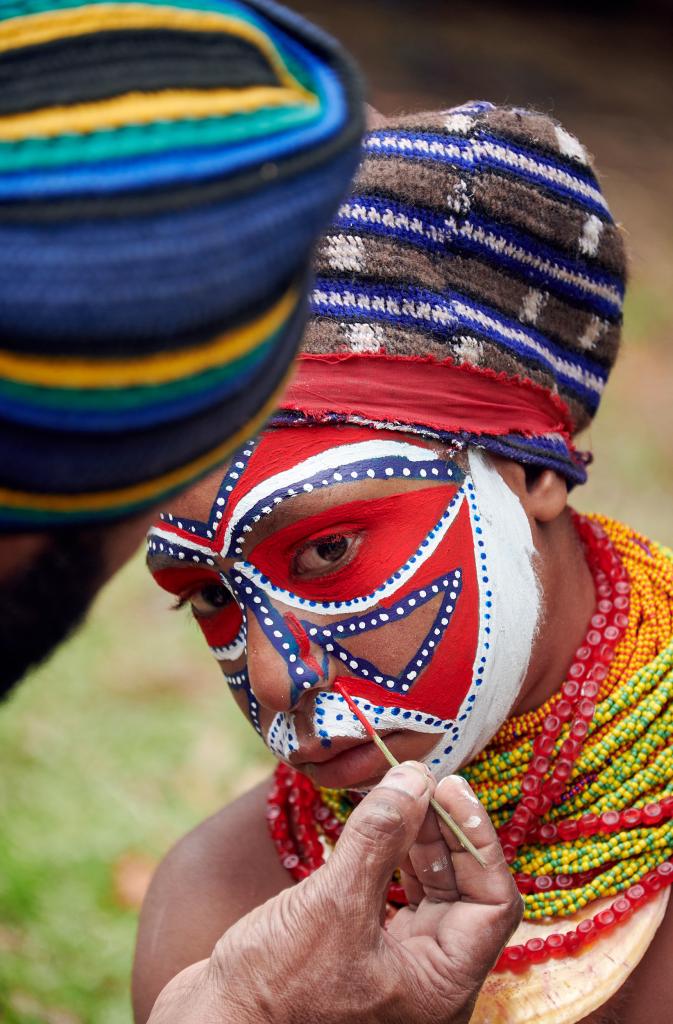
(164, 171)
(402, 528)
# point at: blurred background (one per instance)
(127, 738)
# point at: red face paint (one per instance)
(303, 642)
(183, 582)
(427, 554)
(282, 449)
(220, 628)
(390, 530)
(443, 685)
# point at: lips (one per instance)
(313, 752)
(346, 764)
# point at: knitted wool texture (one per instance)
(477, 235)
(165, 167)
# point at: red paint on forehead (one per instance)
(281, 449)
(278, 450)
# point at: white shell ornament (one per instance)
(566, 990)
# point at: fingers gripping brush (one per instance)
(393, 762)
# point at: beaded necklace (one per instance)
(580, 789)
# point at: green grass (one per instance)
(118, 746)
(128, 737)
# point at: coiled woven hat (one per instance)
(470, 287)
(165, 167)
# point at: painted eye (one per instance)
(209, 600)
(323, 556)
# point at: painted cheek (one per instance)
(443, 685)
(223, 627)
(242, 702)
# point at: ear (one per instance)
(542, 492)
(547, 493)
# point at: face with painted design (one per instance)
(399, 566)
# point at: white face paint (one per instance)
(508, 588)
(516, 606)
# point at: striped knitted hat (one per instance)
(470, 287)
(165, 167)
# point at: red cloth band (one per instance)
(443, 396)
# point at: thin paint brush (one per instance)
(393, 762)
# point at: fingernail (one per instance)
(410, 777)
(464, 785)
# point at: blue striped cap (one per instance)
(165, 168)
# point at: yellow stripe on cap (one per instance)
(138, 494)
(158, 368)
(145, 108)
(47, 26)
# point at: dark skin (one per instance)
(281, 964)
(121, 541)
(48, 582)
(227, 866)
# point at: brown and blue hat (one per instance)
(470, 287)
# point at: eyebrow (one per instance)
(154, 561)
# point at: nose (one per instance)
(283, 664)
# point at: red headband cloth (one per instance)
(444, 396)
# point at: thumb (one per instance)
(378, 836)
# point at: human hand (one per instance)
(318, 952)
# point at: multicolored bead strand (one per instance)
(581, 789)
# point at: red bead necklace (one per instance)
(545, 783)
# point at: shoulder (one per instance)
(213, 876)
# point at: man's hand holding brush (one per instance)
(318, 952)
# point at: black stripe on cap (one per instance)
(144, 203)
(101, 65)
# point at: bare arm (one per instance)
(214, 876)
